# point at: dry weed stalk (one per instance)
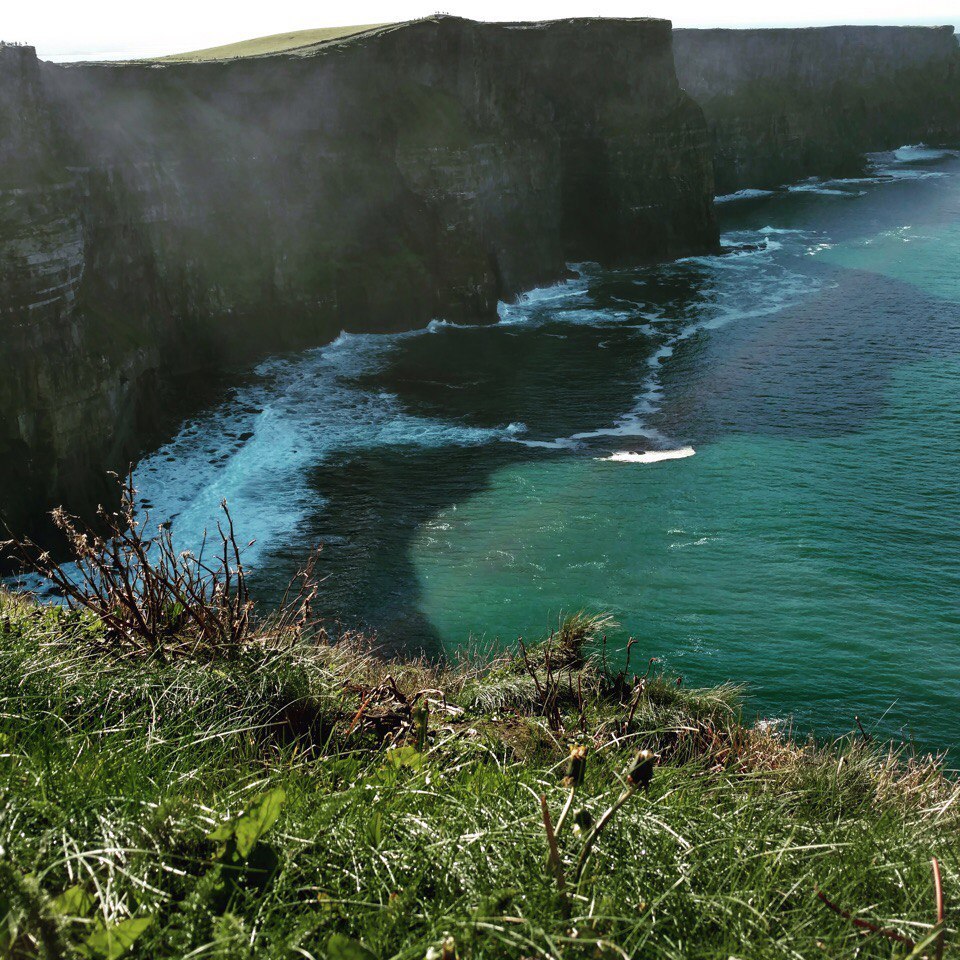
(155, 600)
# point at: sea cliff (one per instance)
(160, 220)
(163, 221)
(783, 104)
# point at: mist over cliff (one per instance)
(160, 219)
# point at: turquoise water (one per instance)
(478, 482)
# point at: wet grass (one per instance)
(360, 808)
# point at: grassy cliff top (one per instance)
(276, 43)
(307, 799)
(304, 42)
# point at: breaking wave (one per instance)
(538, 303)
(921, 153)
(825, 188)
(649, 456)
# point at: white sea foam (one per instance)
(649, 456)
(560, 443)
(892, 166)
(699, 542)
(746, 194)
(592, 317)
(895, 174)
(784, 231)
(822, 188)
(852, 181)
(921, 153)
(259, 446)
(528, 306)
(629, 425)
(885, 167)
(749, 245)
(660, 355)
(435, 326)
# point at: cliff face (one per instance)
(164, 219)
(787, 104)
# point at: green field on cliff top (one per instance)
(276, 43)
(295, 797)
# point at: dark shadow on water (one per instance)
(819, 368)
(369, 528)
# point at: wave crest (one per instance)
(649, 456)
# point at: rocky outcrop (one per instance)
(159, 220)
(784, 104)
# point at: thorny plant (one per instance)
(155, 600)
(556, 667)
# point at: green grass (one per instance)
(115, 771)
(276, 43)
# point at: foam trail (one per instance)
(746, 194)
(904, 163)
(650, 456)
(784, 231)
(561, 443)
(754, 269)
(435, 326)
(821, 188)
(629, 425)
(892, 174)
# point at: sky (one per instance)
(85, 29)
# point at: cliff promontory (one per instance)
(162, 219)
(783, 104)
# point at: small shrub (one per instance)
(153, 599)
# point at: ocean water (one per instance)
(751, 460)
